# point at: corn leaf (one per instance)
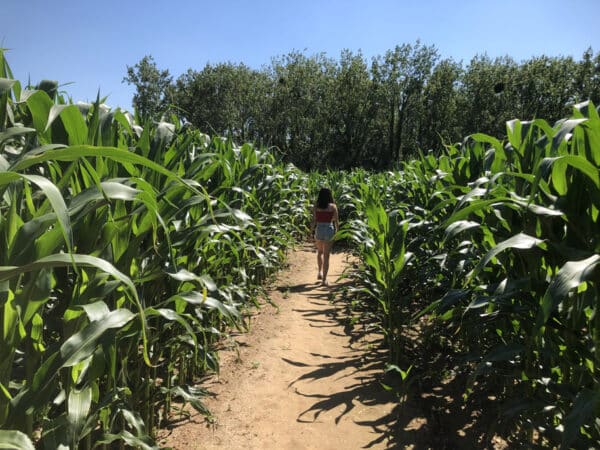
(570, 276)
(585, 407)
(78, 408)
(15, 439)
(519, 241)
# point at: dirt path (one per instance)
(299, 379)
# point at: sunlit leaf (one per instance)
(15, 439)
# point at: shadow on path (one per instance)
(359, 373)
(298, 288)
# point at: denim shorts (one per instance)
(324, 231)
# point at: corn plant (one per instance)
(125, 253)
(503, 238)
(523, 237)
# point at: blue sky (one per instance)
(91, 43)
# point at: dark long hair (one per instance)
(325, 198)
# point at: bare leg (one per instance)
(326, 251)
(320, 258)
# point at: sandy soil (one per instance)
(298, 380)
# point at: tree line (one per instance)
(320, 112)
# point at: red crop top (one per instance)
(324, 216)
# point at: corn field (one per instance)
(127, 250)
(498, 244)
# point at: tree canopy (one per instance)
(153, 88)
(320, 112)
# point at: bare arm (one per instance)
(336, 219)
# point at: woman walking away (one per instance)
(324, 225)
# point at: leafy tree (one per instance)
(351, 114)
(226, 99)
(545, 88)
(587, 78)
(487, 98)
(153, 88)
(298, 116)
(441, 103)
(321, 112)
(402, 75)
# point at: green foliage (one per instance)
(504, 249)
(321, 112)
(225, 99)
(125, 253)
(381, 241)
(402, 75)
(298, 111)
(127, 250)
(152, 96)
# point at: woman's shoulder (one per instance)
(332, 207)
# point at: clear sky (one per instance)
(91, 43)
